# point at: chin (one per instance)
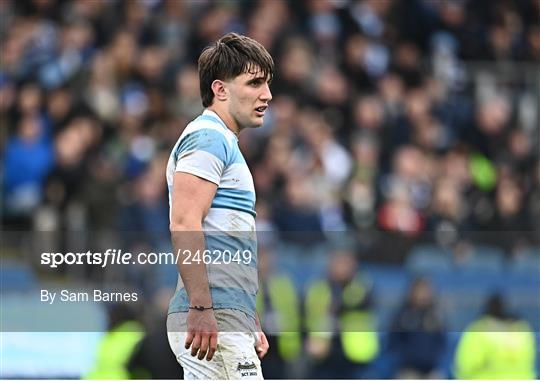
(256, 123)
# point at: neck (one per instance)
(227, 119)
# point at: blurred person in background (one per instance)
(510, 224)
(144, 211)
(401, 224)
(391, 88)
(417, 337)
(66, 183)
(411, 171)
(214, 20)
(342, 339)
(28, 160)
(447, 214)
(332, 97)
(327, 164)
(296, 67)
(152, 358)
(321, 154)
(520, 151)
(271, 171)
(118, 346)
(298, 211)
(279, 22)
(407, 62)
(279, 308)
(492, 119)
(142, 221)
(323, 24)
(498, 345)
(187, 101)
(368, 116)
(360, 195)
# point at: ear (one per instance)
(219, 89)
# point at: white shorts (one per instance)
(235, 357)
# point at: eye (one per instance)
(255, 82)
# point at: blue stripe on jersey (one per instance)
(235, 199)
(222, 297)
(205, 139)
(228, 297)
(236, 156)
(236, 247)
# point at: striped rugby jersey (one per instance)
(208, 149)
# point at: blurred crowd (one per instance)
(388, 119)
(391, 116)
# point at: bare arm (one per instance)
(191, 200)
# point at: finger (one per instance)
(264, 341)
(261, 353)
(262, 347)
(204, 346)
(213, 347)
(261, 350)
(189, 339)
(196, 344)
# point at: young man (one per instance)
(212, 218)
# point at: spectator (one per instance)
(488, 343)
(117, 346)
(510, 221)
(417, 337)
(278, 305)
(28, 159)
(342, 340)
(447, 217)
(152, 357)
(360, 192)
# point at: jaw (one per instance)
(253, 120)
(257, 120)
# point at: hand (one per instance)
(261, 346)
(202, 335)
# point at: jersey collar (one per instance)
(212, 114)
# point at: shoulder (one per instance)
(205, 125)
(205, 135)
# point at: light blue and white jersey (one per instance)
(208, 149)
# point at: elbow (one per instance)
(183, 224)
(175, 227)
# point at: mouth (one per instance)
(260, 110)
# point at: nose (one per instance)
(266, 95)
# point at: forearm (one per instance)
(193, 273)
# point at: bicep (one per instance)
(191, 198)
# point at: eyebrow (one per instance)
(259, 79)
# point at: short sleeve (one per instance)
(203, 153)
